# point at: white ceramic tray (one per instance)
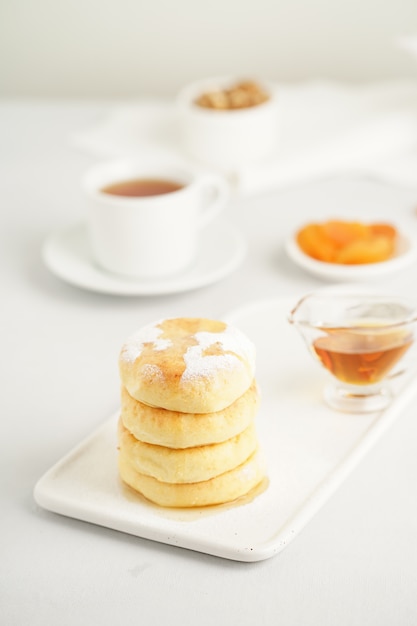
(309, 449)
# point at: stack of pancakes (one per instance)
(188, 403)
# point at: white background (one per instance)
(89, 48)
(355, 562)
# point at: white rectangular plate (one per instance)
(309, 450)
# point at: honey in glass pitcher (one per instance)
(361, 356)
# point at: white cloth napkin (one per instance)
(326, 129)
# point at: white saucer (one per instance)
(405, 255)
(67, 255)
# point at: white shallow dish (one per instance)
(405, 255)
(309, 450)
(67, 255)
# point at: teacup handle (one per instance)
(215, 193)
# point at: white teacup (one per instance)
(149, 236)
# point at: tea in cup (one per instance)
(360, 340)
(145, 220)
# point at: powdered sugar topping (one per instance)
(152, 372)
(235, 351)
(150, 334)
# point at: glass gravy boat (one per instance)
(360, 340)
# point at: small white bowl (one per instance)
(227, 139)
(405, 255)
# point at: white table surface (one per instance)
(354, 563)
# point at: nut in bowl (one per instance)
(228, 122)
(348, 250)
(360, 340)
